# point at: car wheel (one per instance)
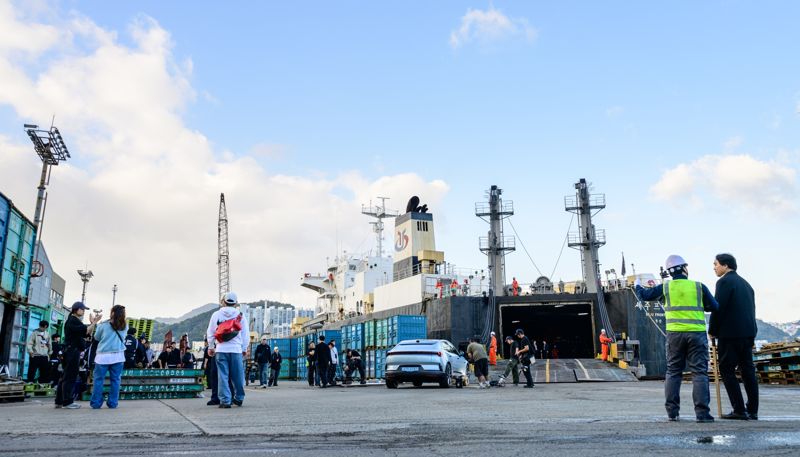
(391, 384)
(448, 377)
(417, 383)
(459, 383)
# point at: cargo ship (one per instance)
(563, 319)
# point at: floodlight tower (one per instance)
(85, 275)
(222, 249)
(50, 147)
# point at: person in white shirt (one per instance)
(334, 363)
(228, 337)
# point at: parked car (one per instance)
(420, 361)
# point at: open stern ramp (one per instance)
(549, 371)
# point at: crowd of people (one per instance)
(322, 360)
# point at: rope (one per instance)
(566, 237)
(524, 248)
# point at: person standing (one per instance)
(39, 354)
(493, 349)
(523, 353)
(514, 287)
(228, 339)
(311, 360)
(454, 288)
(262, 358)
(173, 356)
(513, 363)
(604, 342)
(210, 368)
(334, 362)
(111, 357)
(323, 355)
(188, 360)
(55, 359)
(476, 354)
(735, 326)
(684, 304)
(131, 348)
(75, 333)
(275, 367)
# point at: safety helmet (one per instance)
(674, 261)
(230, 299)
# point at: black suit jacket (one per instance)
(736, 317)
(323, 353)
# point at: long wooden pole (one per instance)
(716, 375)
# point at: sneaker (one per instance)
(735, 416)
(224, 405)
(481, 385)
(263, 386)
(213, 402)
(72, 406)
(674, 418)
(705, 419)
(58, 406)
(528, 386)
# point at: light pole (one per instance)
(114, 296)
(85, 275)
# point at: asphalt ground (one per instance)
(582, 419)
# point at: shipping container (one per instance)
(17, 254)
(286, 346)
(402, 328)
(288, 369)
(369, 334)
(381, 333)
(380, 363)
(5, 207)
(370, 363)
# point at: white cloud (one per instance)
(733, 142)
(740, 181)
(614, 111)
(488, 26)
(138, 200)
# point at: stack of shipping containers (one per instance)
(287, 347)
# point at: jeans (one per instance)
(263, 370)
(687, 348)
(735, 352)
(273, 376)
(115, 373)
(66, 385)
(230, 367)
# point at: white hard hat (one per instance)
(493, 333)
(674, 261)
(230, 298)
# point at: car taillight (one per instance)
(439, 353)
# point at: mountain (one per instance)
(201, 310)
(792, 328)
(197, 324)
(771, 332)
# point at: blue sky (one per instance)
(525, 95)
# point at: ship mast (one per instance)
(380, 213)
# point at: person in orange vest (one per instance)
(454, 287)
(439, 286)
(493, 349)
(515, 287)
(604, 342)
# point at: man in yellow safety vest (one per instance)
(685, 304)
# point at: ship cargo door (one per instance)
(567, 327)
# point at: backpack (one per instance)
(229, 329)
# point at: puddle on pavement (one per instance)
(744, 441)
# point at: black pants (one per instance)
(211, 375)
(41, 363)
(354, 365)
(733, 353)
(273, 376)
(322, 369)
(66, 385)
(312, 372)
(526, 370)
(332, 374)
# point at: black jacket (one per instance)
(275, 363)
(736, 317)
(262, 354)
(323, 353)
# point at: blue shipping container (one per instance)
(5, 206)
(286, 346)
(402, 328)
(380, 363)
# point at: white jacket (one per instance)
(335, 356)
(39, 343)
(239, 343)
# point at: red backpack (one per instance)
(228, 330)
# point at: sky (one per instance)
(686, 116)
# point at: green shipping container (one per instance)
(369, 334)
(18, 254)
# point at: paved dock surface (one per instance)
(620, 419)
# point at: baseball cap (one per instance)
(520, 331)
(78, 305)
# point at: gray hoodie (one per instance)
(239, 343)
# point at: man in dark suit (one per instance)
(735, 326)
(323, 355)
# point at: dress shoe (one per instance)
(224, 405)
(213, 402)
(675, 418)
(236, 402)
(705, 419)
(752, 417)
(735, 416)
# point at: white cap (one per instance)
(230, 298)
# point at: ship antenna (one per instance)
(380, 213)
